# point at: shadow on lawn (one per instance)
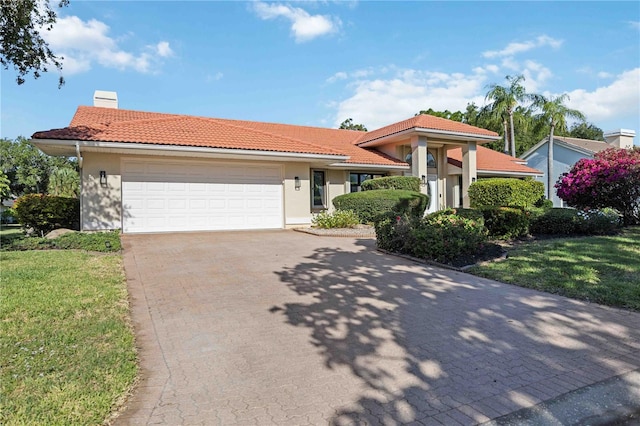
(428, 342)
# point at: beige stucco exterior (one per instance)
(101, 206)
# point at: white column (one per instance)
(469, 171)
(419, 159)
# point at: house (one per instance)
(156, 172)
(567, 151)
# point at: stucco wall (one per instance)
(336, 185)
(101, 205)
(297, 203)
(563, 160)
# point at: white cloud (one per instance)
(620, 98)
(214, 77)
(519, 47)
(604, 74)
(340, 75)
(83, 43)
(304, 26)
(163, 49)
(535, 74)
(378, 102)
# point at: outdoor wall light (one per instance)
(297, 183)
(473, 180)
(423, 180)
(103, 178)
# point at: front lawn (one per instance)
(602, 269)
(66, 348)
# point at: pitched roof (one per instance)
(492, 161)
(586, 144)
(424, 121)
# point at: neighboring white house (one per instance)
(567, 151)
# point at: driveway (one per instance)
(281, 327)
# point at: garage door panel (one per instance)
(160, 196)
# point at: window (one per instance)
(356, 179)
(318, 190)
(431, 160)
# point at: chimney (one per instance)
(105, 99)
(622, 138)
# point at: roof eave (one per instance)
(420, 131)
(58, 146)
(370, 166)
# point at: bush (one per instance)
(610, 179)
(337, 219)
(440, 237)
(562, 221)
(472, 214)
(407, 183)
(45, 213)
(94, 241)
(505, 192)
(505, 222)
(368, 205)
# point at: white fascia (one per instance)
(181, 150)
(504, 173)
(433, 132)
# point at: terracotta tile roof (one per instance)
(118, 125)
(587, 144)
(492, 161)
(425, 121)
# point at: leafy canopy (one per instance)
(21, 41)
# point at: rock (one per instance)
(57, 232)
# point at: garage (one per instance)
(167, 196)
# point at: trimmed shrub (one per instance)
(505, 222)
(45, 213)
(368, 205)
(407, 183)
(440, 236)
(94, 241)
(472, 214)
(563, 221)
(505, 192)
(337, 219)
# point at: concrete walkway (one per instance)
(280, 327)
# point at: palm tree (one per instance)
(64, 182)
(504, 101)
(554, 113)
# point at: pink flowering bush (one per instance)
(610, 179)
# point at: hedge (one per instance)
(505, 222)
(505, 192)
(368, 205)
(407, 183)
(563, 221)
(44, 213)
(440, 237)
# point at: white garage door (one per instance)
(163, 196)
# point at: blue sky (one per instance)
(319, 62)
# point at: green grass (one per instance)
(66, 348)
(603, 269)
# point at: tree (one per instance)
(27, 167)
(584, 130)
(554, 113)
(64, 182)
(21, 42)
(5, 190)
(349, 125)
(610, 179)
(504, 102)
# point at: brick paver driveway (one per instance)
(287, 328)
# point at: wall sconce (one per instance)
(103, 178)
(423, 180)
(297, 183)
(473, 180)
